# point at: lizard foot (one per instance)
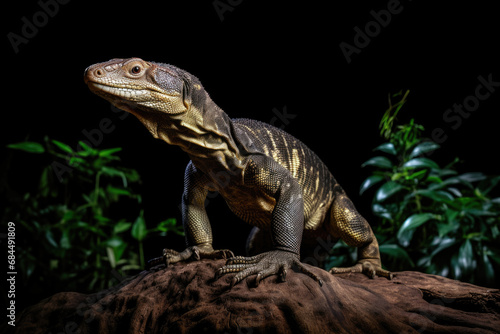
(366, 266)
(191, 253)
(275, 262)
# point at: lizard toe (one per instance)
(268, 272)
(366, 267)
(270, 263)
(252, 270)
(244, 260)
(231, 268)
(371, 270)
(308, 272)
(358, 268)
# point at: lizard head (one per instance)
(141, 87)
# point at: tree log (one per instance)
(186, 298)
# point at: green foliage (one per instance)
(81, 229)
(391, 113)
(447, 222)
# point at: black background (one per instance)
(253, 59)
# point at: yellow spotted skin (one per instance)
(268, 178)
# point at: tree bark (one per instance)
(185, 298)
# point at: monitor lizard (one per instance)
(267, 177)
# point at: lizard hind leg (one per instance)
(351, 227)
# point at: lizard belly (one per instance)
(251, 205)
(256, 207)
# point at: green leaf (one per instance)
(455, 266)
(169, 224)
(101, 218)
(405, 233)
(420, 174)
(369, 182)
(139, 230)
(28, 146)
(495, 232)
(379, 161)
(166, 225)
(111, 257)
(65, 241)
(446, 172)
(422, 148)
(118, 191)
(91, 228)
(394, 250)
(50, 238)
(132, 175)
(386, 148)
(465, 256)
(472, 177)
(121, 227)
(436, 180)
(381, 211)
(115, 172)
(114, 242)
(115, 247)
(495, 256)
(44, 185)
(442, 244)
(421, 163)
(387, 190)
(62, 146)
(437, 195)
(488, 267)
(119, 251)
(87, 150)
(444, 229)
(75, 161)
(109, 151)
(455, 191)
(489, 184)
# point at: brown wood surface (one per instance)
(185, 298)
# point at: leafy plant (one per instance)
(82, 226)
(432, 218)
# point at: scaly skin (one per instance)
(267, 177)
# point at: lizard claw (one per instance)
(275, 262)
(366, 266)
(171, 256)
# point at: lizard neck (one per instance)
(205, 133)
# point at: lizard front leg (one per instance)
(287, 224)
(196, 223)
(350, 226)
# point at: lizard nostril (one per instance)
(98, 73)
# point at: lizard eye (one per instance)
(136, 70)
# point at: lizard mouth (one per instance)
(131, 94)
(126, 93)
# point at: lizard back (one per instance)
(305, 166)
